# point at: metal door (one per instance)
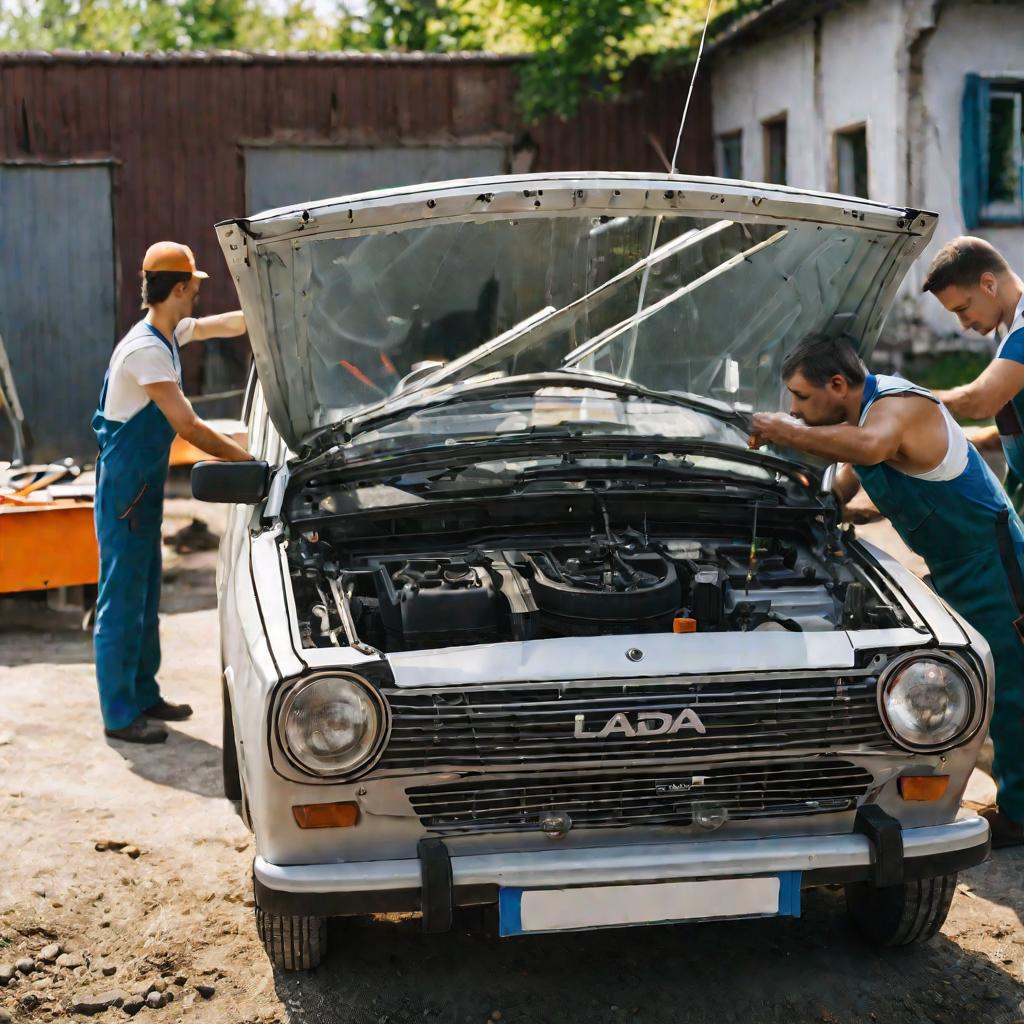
(280, 176)
(57, 298)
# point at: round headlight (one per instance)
(332, 725)
(927, 702)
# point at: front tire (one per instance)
(900, 915)
(294, 943)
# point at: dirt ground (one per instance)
(175, 911)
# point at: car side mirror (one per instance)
(233, 483)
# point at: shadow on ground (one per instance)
(183, 762)
(783, 970)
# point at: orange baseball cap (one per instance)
(171, 256)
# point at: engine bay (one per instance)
(606, 580)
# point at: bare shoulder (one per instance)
(920, 426)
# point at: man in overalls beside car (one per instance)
(898, 442)
(141, 408)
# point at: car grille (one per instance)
(604, 800)
(484, 726)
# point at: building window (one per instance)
(852, 161)
(775, 150)
(992, 151)
(730, 155)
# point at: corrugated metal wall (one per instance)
(282, 175)
(57, 297)
(177, 128)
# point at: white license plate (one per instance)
(525, 911)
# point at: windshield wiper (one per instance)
(529, 384)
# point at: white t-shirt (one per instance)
(142, 358)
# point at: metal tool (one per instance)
(752, 560)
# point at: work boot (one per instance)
(1005, 831)
(168, 712)
(140, 731)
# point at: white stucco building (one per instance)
(914, 102)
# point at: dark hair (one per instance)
(961, 262)
(158, 284)
(820, 358)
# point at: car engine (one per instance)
(603, 582)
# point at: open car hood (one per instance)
(694, 286)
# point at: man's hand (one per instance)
(223, 325)
(178, 410)
(771, 428)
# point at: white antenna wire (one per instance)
(693, 79)
(675, 155)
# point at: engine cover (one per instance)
(601, 588)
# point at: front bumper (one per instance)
(398, 885)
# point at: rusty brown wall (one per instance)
(175, 127)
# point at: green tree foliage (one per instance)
(148, 25)
(579, 48)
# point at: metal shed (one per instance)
(101, 154)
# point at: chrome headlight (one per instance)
(927, 703)
(333, 724)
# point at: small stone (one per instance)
(133, 852)
(180, 979)
(159, 985)
(29, 1001)
(155, 1000)
(70, 960)
(6, 973)
(133, 1005)
(56, 904)
(26, 965)
(5, 1016)
(51, 952)
(105, 923)
(90, 1005)
(169, 996)
(109, 970)
(206, 991)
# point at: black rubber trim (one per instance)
(335, 904)
(437, 897)
(914, 868)
(885, 834)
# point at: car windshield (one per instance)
(673, 303)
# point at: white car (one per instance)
(511, 615)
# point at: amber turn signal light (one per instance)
(923, 787)
(681, 625)
(326, 815)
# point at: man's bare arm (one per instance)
(182, 417)
(987, 393)
(877, 440)
(223, 325)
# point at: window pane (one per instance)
(1004, 148)
(852, 161)
(730, 155)
(775, 151)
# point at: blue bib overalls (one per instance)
(130, 473)
(953, 525)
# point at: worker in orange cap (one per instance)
(141, 408)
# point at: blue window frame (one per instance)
(992, 151)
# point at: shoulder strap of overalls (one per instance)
(882, 385)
